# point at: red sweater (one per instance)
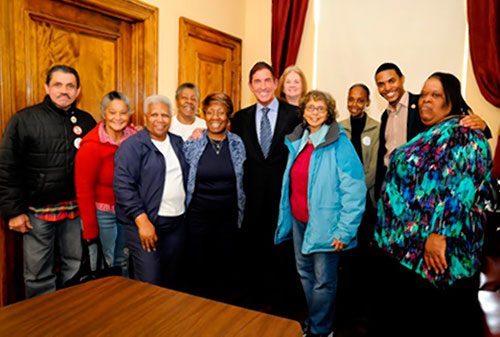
(94, 168)
(299, 179)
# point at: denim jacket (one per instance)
(193, 150)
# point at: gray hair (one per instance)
(111, 96)
(157, 99)
(187, 85)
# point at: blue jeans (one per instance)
(318, 275)
(113, 242)
(39, 246)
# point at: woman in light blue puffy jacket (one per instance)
(322, 202)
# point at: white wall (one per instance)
(355, 37)
(257, 41)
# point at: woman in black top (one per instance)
(215, 201)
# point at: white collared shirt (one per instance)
(174, 196)
(272, 114)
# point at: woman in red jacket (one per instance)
(94, 167)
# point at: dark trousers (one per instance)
(270, 279)
(408, 305)
(357, 275)
(160, 267)
(355, 291)
(210, 264)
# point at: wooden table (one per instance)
(116, 306)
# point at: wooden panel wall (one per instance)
(111, 43)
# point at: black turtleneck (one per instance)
(357, 127)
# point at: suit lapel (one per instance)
(279, 129)
(413, 125)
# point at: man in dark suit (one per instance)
(400, 122)
(268, 270)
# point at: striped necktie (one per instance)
(265, 132)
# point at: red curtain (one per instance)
(485, 47)
(287, 27)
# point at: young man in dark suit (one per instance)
(269, 271)
(400, 122)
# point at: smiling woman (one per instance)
(215, 201)
(185, 121)
(322, 201)
(292, 85)
(94, 178)
(149, 183)
(157, 120)
(363, 131)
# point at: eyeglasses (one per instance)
(311, 108)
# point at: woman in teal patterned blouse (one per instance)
(430, 217)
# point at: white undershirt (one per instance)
(185, 130)
(174, 196)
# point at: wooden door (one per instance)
(210, 59)
(111, 43)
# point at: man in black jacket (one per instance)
(37, 190)
(269, 271)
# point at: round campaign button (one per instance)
(77, 130)
(76, 142)
(73, 119)
(367, 140)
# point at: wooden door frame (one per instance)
(189, 28)
(16, 91)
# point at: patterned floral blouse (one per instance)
(436, 183)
